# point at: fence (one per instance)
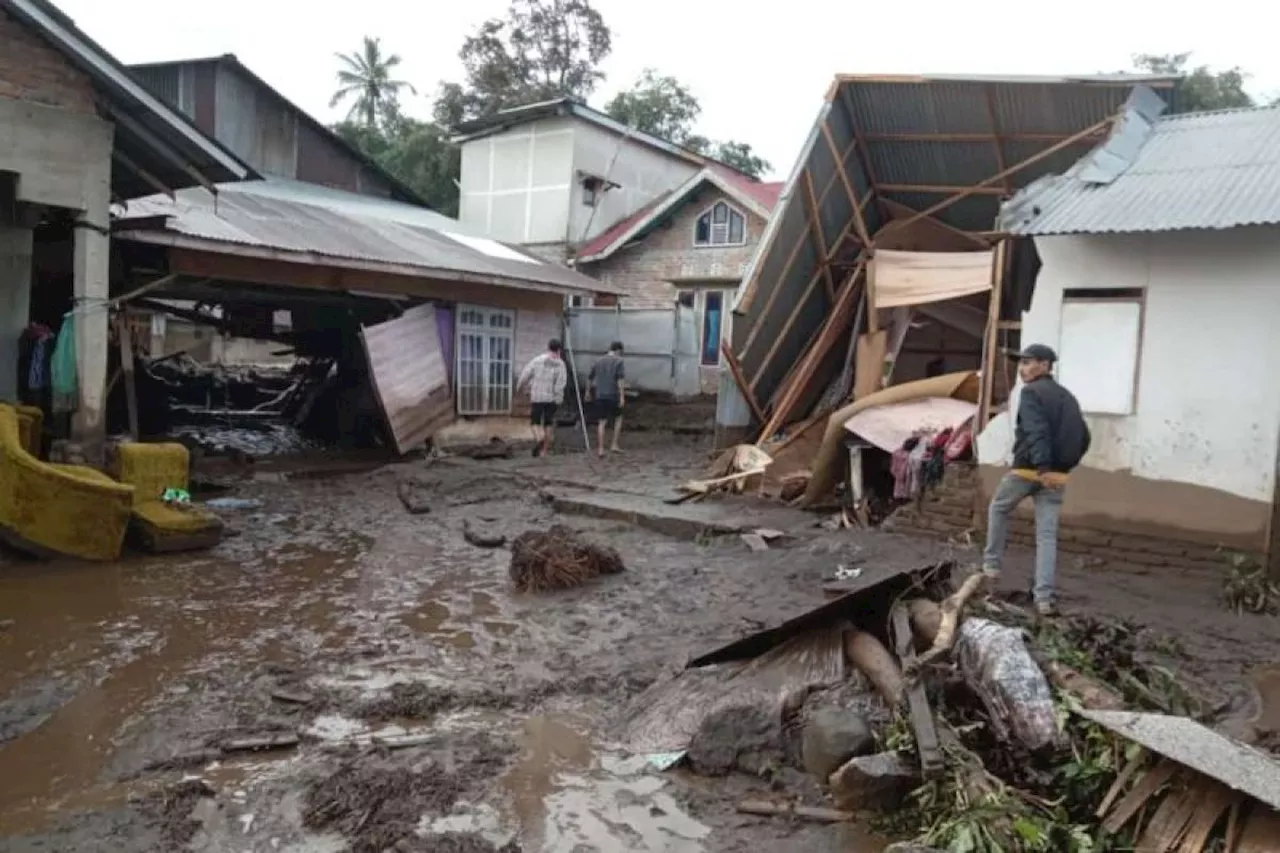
(661, 345)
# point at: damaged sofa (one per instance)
(157, 525)
(51, 510)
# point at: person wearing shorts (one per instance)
(545, 376)
(607, 379)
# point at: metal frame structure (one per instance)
(901, 150)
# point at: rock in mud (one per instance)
(744, 738)
(831, 737)
(877, 782)
(481, 536)
(415, 495)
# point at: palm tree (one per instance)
(366, 81)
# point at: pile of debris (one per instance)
(559, 558)
(989, 732)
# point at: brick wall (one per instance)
(648, 269)
(949, 513)
(31, 70)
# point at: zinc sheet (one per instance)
(409, 376)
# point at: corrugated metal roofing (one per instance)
(1195, 171)
(314, 223)
(916, 141)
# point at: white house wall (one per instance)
(641, 171)
(1198, 452)
(516, 185)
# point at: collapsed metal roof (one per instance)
(291, 221)
(1211, 170)
(153, 142)
(896, 146)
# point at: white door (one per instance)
(485, 346)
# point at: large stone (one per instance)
(744, 738)
(831, 737)
(877, 782)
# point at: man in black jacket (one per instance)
(1050, 439)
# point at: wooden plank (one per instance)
(1137, 797)
(815, 226)
(1213, 801)
(939, 189)
(972, 137)
(1001, 165)
(900, 210)
(1122, 779)
(736, 370)
(125, 335)
(922, 722)
(837, 321)
(1014, 169)
(868, 373)
(991, 339)
(860, 223)
(409, 376)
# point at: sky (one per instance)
(760, 72)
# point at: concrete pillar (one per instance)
(91, 264)
(15, 303)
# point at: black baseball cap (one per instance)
(1037, 352)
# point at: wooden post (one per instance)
(125, 334)
(995, 136)
(1001, 175)
(736, 370)
(859, 222)
(991, 341)
(815, 224)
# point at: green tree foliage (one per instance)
(418, 153)
(1200, 88)
(365, 81)
(665, 107)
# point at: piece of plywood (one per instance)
(868, 372)
(918, 278)
(409, 376)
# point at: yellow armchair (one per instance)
(155, 525)
(58, 509)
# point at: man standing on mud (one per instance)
(1050, 439)
(545, 375)
(607, 378)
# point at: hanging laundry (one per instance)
(64, 372)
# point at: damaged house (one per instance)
(1158, 290)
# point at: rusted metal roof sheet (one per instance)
(1196, 171)
(911, 140)
(288, 220)
(409, 376)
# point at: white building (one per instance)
(1160, 290)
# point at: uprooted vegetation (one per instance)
(995, 796)
(559, 558)
(1249, 587)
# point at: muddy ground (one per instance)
(334, 615)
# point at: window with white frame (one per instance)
(1100, 348)
(720, 225)
(485, 346)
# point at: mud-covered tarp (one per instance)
(665, 718)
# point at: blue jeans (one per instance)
(1012, 491)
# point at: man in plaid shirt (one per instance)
(546, 377)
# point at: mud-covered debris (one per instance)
(171, 809)
(739, 737)
(481, 536)
(831, 737)
(881, 781)
(559, 558)
(415, 495)
(454, 842)
(376, 807)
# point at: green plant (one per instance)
(1248, 587)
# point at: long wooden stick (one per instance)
(815, 224)
(952, 610)
(1018, 167)
(991, 338)
(735, 369)
(859, 222)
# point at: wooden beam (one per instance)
(939, 189)
(837, 321)
(1001, 165)
(125, 337)
(859, 222)
(795, 310)
(736, 370)
(897, 208)
(989, 346)
(815, 225)
(864, 153)
(147, 178)
(969, 137)
(1018, 167)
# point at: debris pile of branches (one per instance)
(1249, 587)
(559, 558)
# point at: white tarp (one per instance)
(887, 427)
(917, 278)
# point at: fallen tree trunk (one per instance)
(874, 661)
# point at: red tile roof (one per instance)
(764, 194)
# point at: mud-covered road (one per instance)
(333, 618)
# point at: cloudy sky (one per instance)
(759, 71)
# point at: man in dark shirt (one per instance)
(607, 380)
(1050, 439)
